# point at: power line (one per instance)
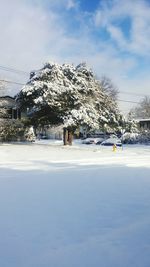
(129, 93)
(9, 69)
(6, 81)
(128, 101)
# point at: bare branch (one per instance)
(108, 87)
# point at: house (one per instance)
(9, 108)
(144, 124)
(11, 128)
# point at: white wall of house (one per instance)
(50, 132)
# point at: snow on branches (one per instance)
(70, 95)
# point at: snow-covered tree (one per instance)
(70, 95)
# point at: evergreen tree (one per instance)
(69, 95)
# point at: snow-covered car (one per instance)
(89, 141)
(99, 141)
(112, 141)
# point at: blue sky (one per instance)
(89, 6)
(112, 36)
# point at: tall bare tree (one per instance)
(142, 110)
(108, 87)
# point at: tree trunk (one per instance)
(67, 137)
(70, 137)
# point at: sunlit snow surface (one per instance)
(80, 206)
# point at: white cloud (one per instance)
(36, 31)
(138, 12)
(117, 35)
(72, 4)
(23, 32)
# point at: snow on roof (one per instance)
(7, 101)
(6, 96)
(148, 120)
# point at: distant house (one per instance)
(11, 127)
(9, 108)
(144, 124)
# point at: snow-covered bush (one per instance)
(130, 138)
(130, 132)
(11, 130)
(29, 134)
(144, 137)
(131, 126)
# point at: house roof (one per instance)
(7, 102)
(144, 120)
(7, 96)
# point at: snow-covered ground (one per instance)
(80, 206)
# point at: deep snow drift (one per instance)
(82, 206)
